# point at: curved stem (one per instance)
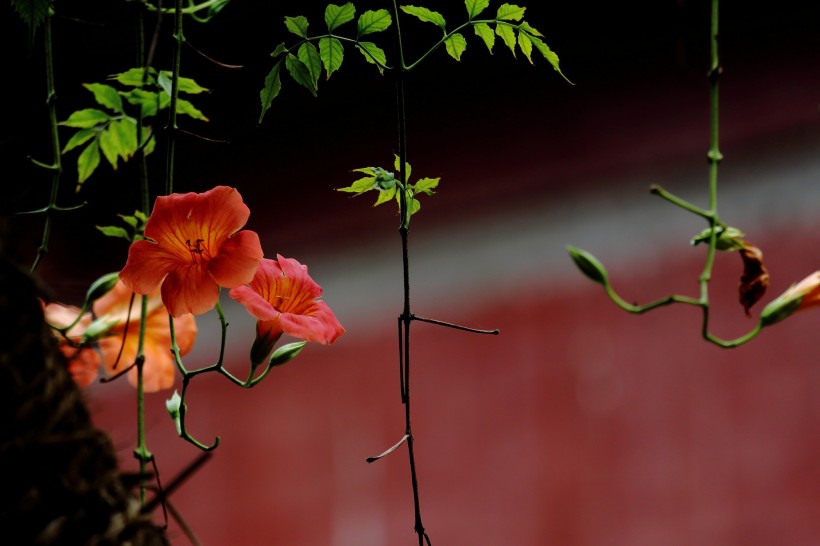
(640, 309)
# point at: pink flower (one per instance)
(283, 298)
(192, 247)
(83, 362)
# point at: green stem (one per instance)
(172, 116)
(639, 309)
(444, 38)
(56, 166)
(728, 344)
(141, 452)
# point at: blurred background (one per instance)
(579, 424)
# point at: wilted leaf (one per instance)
(755, 278)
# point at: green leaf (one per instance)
(484, 31)
(148, 101)
(110, 147)
(279, 50)
(548, 54)
(510, 12)
(426, 185)
(140, 215)
(507, 34)
(426, 15)
(474, 7)
(184, 85)
(114, 231)
(310, 57)
(385, 196)
(133, 77)
(80, 137)
(165, 83)
(373, 54)
(273, 84)
(185, 107)
(87, 162)
(455, 45)
(372, 171)
(297, 25)
(299, 72)
(397, 166)
(85, 119)
(106, 96)
(338, 15)
(529, 30)
(360, 186)
(374, 21)
(32, 12)
(130, 220)
(125, 132)
(526, 45)
(332, 54)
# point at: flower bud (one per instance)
(799, 296)
(101, 287)
(172, 405)
(588, 264)
(286, 353)
(96, 330)
(728, 238)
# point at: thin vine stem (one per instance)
(56, 166)
(172, 115)
(141, 452)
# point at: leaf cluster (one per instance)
(305, 62)
(389, 187)
(113, 131)
(135, 227)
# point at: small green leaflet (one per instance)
(510, 12)
(279, 50)
(474, 7)
(332, 53)
(374, 21)
(549, 55)
(525, 26)
(526, 45)
(486, 33)
(299, 72)
(310, 57)
(273, 84)
(85, 119)
(455, 45)
(338, 15)
(507, 34)
(134, 76)
(408, 170)
(373, 54)
(105, 95)
(426, 15)
(297, 25)
(114, 231)
(426, 185)
(184, 85)
(79, 138)
(87, 162)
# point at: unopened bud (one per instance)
(588, 264)
(101, 287)
(286, 353)
(172, 405)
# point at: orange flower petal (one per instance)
(189, 290)
(237, 260)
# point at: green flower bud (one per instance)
(96, 330)
(101, 287)
(588, 264)
(779, 309)
(286, 353)
(728, 238)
